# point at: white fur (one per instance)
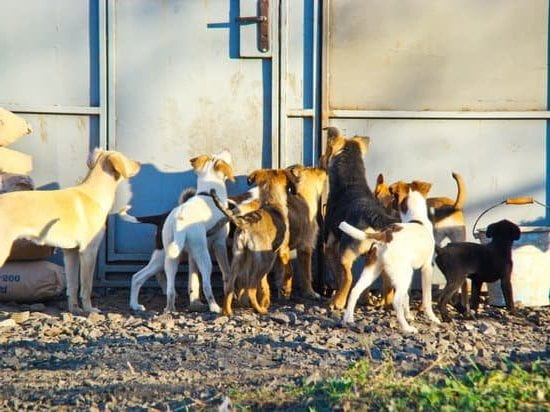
(185, 228)
(411, 248)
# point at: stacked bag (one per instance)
(26, 276)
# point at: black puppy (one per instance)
(481, 263)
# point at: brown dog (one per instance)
(261, 237)
(349, 199)
(303, 208)
(446, 215)
(72, 219)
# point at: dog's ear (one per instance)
(292, 182)
(254, 176)
(380, 179)
(225, 168)
(490, 230)
(198, 162)
(124, 166)
(363, 142)
(422, 187)
(93, 156)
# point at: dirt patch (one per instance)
(124, 360)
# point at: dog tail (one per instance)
(383, 236)
(461, 192)
(157, 220)
(233, 218)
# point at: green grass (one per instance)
(365, 387)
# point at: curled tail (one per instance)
(233, 218)
(461, 192)
(383, 236)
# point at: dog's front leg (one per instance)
(170, 269)
(155, 266)
(87, 267)
(369, 275)
(506, 286)
(345, 279)
(70, 259)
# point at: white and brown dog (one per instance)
(186, 228)
(400, 249)
(72, 219)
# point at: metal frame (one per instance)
(301, 112)
(335, 113)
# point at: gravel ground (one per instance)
(122, 360)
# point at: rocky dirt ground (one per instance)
(50, 359)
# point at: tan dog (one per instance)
(261, 237)
(72, 219)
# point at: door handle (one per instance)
(262, 20)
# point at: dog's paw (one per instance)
(137, 307)
(410, 329)
(347, 318)
(91, 309)
(215, 308)
(311, 295)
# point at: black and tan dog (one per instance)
(480, 263)
(303, 208)
(349, 199)
(261, 237)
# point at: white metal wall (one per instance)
(445, 86)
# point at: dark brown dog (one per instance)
(349, 199)
(303, 208)
(261, 237)
(480, 263)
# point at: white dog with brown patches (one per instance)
(186, 229)
(401, 248)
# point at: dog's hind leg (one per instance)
(400, 300)
(454, 282)
(170, 268)
(194, 287)
(199, 253)
(345, 279)
(369, 275)
(88, 258)
(305, 277)
(252, 292)
(265, 293)
(427, 272)
(70, 260)
(155, 265)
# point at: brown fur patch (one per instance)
(225, 168)
(198, 162)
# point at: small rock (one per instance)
(486, 328)
(95, 317)
(115, 317)
(280, 317)
(8, 323)
(67, 317)
(376, 353)
(20, 317)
